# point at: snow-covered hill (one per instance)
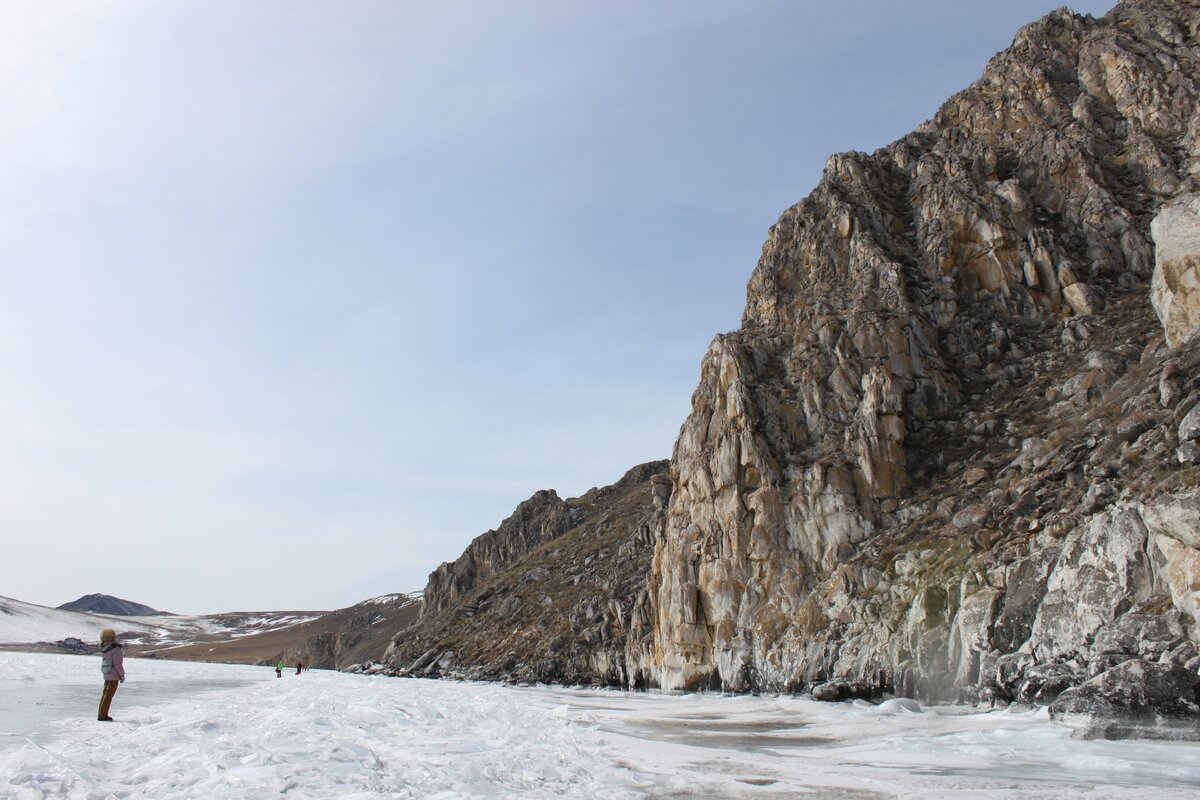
(329, 639)
(28, 624)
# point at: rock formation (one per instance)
(949, 453)
(540, 519)
(940, 452)
(546, 596)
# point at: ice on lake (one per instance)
(216, 731)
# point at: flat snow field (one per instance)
(214, 731)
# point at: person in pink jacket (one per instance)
(112, 665)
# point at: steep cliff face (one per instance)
(547, 596)
(540, 519)
(901, 471)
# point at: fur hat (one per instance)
(108, 635)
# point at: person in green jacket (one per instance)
(279, 669)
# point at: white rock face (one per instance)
(1174, 531)
(1175, 289)
(1102, 570)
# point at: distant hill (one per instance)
(25, 626)
(107, 604)
(330, 640)
(321, 639)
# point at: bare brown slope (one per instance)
(333, 640)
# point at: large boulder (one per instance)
(1136, 699)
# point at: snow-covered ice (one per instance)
(215, 731)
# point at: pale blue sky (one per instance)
(298, 298)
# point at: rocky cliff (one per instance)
(953, 449)
(540, 519)
(940, 455)
(547, 595)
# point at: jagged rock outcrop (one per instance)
(546, 596)
(536, 521)
(900, 472)
(1176, 285)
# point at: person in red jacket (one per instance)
(112, 666)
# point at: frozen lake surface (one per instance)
(215, 731)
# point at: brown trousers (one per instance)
(110, 688)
